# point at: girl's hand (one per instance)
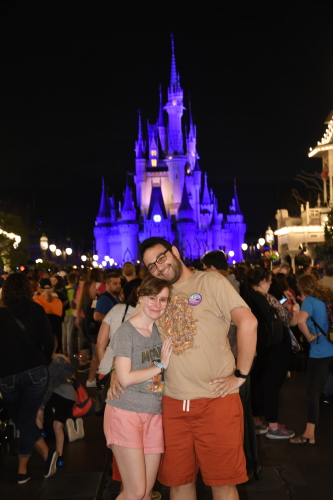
(166, 352)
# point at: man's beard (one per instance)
(174, 276)
(116, 293)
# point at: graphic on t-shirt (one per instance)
(195, 299)
(151, 354)
(156, 384)
(179, 323)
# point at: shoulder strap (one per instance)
(126, 309)
(21, 325)
(317, 326)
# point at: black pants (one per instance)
(318, 370)
(267, 380)
(250, 438)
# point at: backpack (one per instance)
(66, 302)
(274, 328)
(329, 312)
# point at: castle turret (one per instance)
(191, 141)
(102, 224)
(128, 228)
(140, 164)
(162, 130)
(186, 226)
(174, 108)
(236, 226)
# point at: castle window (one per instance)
(153, 152)
(154, 163)
(157, 218)
(174, 102)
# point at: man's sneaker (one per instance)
(23, 478)
(79, 428)
(91, 383)
(50, 463)
(60, 462)
(70, 430)
(280, 433)
(261, 428)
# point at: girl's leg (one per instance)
(152, 463)
(132, 467)
(58, 428)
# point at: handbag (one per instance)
(83, 405)
(21, 325)
(275, 328)
(103, 385)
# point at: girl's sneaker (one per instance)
(79, 428)
(23, 478)
(261, 428)
(280, 433)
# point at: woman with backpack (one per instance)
(274, 353)
(314, 323)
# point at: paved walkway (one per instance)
(289, 472)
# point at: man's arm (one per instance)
(246, 346)
(99, 316)
(102, 340)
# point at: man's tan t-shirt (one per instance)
(198, 319)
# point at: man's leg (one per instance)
(225, 493)
(185, 492)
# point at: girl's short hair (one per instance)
(153, 286)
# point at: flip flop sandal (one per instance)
(302, 440)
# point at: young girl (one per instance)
(133, 423)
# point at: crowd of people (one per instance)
(195, 360)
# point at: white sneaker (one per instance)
(79, 428)
(91, 383)
(70, 430)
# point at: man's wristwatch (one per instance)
(238, 374)
(159, 365)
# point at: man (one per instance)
(131, 278)
(216, 261)
(202, 412)
(68, 323)
(327, 280)
(109, 298)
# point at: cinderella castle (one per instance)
(173, 199)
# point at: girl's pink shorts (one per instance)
(141, 431)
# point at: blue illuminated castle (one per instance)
(172, 199)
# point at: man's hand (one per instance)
(226, 385)
(114, 387)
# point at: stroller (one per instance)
(7, 433)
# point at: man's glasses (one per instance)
(160, 260)
(163, 302)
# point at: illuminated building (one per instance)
(172, 196)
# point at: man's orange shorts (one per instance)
(209, 436)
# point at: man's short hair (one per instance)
(128, 269)
(215, 258)
(152, 242)
(72, 278)
(329, 268)
(111, 275)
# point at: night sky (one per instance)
(74, 75)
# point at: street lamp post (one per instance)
(244, 247)
(44, 245)
(269, 235)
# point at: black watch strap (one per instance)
(238, 374)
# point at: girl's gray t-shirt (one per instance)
(129, 343)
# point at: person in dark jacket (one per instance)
(26, 346)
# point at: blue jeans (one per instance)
(22, 394)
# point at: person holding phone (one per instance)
(133, 423)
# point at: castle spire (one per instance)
(205, 197)
(185, 210)
(128, 205)
(104, 207)
(174, 76)
(160, 115)
(236, 204)
(140, 143)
